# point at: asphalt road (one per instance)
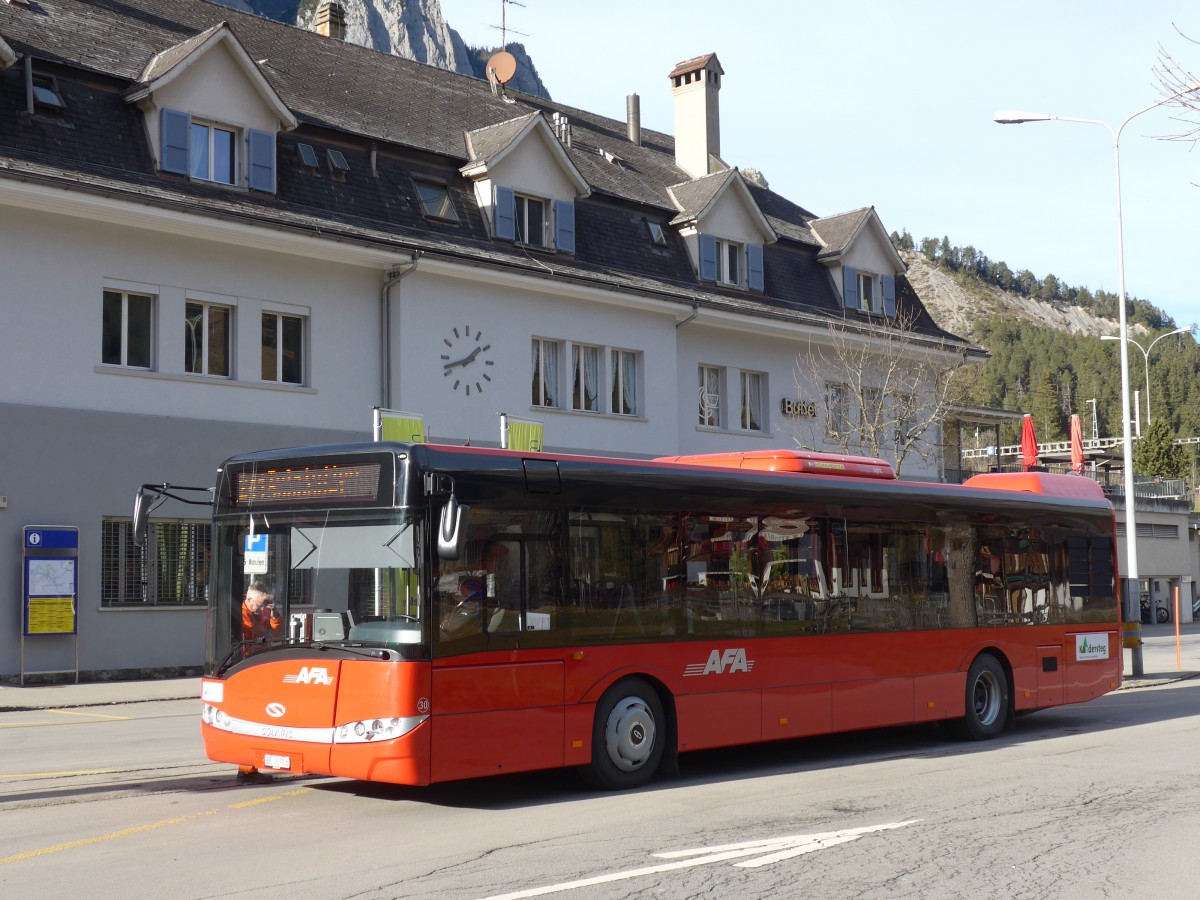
(1097, 800)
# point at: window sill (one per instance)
(204, 379)
(619, 417)
(740, 432)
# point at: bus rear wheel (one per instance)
(627, 736)
(987, 700)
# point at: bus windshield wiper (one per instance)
(369, 654)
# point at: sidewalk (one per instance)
(1158, 657)
(100, 693)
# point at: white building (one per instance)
(221, 234)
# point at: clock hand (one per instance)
(470, 357)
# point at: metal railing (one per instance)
(1113, 483)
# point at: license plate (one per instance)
(274, 761)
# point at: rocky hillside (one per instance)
(413, 29)
(956, 302)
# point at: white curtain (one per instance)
(586, 366)
(629, 383)
(751, 401)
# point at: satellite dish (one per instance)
(501, 67)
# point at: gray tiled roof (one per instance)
(692, 197)
(485, 143)
(163, 62)
(419, 119)
(835, 232)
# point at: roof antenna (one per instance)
(503, 65)
(503, 26)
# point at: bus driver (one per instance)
(260, 618)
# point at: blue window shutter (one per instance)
(889, 294)
(849, 287)
(754, 266)
(708, 257)
(505, 214)
(564, 225)
(262, 161)
(175, 130)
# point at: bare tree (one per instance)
(885, 390)
(1174, 78)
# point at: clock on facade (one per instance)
(466, 363)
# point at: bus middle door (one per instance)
(502, 709)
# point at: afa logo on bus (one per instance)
(721, 662)
(310, 675)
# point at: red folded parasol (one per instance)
(1076, 445)
(1029, 448)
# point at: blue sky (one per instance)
(866, 102)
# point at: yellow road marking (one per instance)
(60, 774)
(138, 829)
(67, 712)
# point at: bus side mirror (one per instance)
(452, 529)
(142, 502)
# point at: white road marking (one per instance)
(765, 852)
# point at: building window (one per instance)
(206, 339)
(545, 373)
(170, 569)
(46, 93)
(530, 220)
(837, 409)
(710, 396)
(624, 383)
(729, 255)
(866, 291)
(436, 202)
(585, 378)
(211, 155)
(751, 398)
(282, 348)
(127, 330)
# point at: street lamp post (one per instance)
(1132, 593)
(1146, 354)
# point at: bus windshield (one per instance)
(290, 580)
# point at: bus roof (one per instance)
(806, 461)
(1039, 483)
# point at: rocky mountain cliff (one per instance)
(413, 29)
(956, 302)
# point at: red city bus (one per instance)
(417, 613)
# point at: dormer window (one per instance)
(731, 262)
(729, 255)
(212, 155)
(209, 151)
(527, 220)
(866, 291)
(530, 213)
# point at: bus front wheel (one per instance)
(987, 700)
(627, 736)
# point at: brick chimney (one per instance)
(331, 20)
(696, 85)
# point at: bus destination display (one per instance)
(327, 483)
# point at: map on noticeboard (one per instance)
(50, 595)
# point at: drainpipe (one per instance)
(695, 312)
(385, 313)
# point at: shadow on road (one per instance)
(1125, 709)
